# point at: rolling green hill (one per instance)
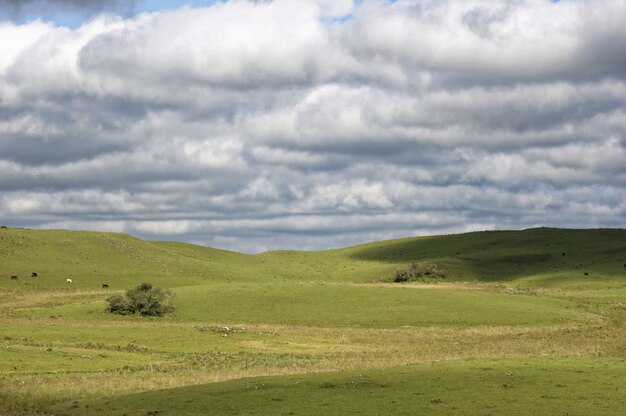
(523, 322)
(535, 257)
(92, 258)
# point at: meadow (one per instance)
(524, 321)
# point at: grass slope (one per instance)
(544, 255)
(537, 257)
(486, 387)
(336, 305)
(512, 303)
(93, 258)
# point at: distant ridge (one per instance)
(533, 255)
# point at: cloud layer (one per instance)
(290, 124)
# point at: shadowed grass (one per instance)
(511, 387)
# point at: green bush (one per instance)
(144, 300)
(401, 276)
(118, 304)
(413, 273)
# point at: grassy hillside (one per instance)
(537, 257)
(514, 387)
(541, 255)
(513, 302)
(336, 305)
(93, 258)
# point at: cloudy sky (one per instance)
(308, 124)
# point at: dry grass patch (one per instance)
(20, 299)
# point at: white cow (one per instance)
(69, 281)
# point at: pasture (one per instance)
(516, 327)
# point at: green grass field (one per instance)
(524, 321)
(498, 387)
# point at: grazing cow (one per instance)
(625, 265)
(69, 281)
(34, 274)
(586, 274)
(3, 227)
(14, 277)
(563, 254)
(105, 286)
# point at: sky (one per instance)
(311, 124)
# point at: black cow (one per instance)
(105, 286)
(14, 277)
(34, 274)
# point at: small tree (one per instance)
(144, 299)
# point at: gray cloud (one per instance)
(19, 8)
(261, 125)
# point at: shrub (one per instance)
(434, 270)
(413, 273)
(401, 276)
(118, 304)
(145, 300)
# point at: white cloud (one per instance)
(256, 125)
